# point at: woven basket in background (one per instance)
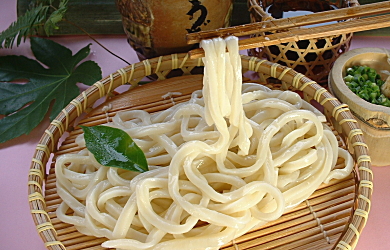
(332, 218)
(313, 58)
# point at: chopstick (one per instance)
(285, 23)
(294, 34)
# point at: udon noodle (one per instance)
(234, 157)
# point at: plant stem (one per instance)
(101, 45)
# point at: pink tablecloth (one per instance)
(17, 230)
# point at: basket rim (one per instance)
(260, 12)
(161, 66)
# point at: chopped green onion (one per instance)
(366, 83)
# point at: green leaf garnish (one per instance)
(113, 147)
(55, 17)
(25, 26)
(25, 105)
(41, 15)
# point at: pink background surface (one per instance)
(17, 229)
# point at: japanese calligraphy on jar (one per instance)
(155, 27)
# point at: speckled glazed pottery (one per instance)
(155, 27)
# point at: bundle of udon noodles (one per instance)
(234, 157)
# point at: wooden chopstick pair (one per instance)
(288, 27)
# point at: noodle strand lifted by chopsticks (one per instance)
(232, 158)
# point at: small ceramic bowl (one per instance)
(373, 119)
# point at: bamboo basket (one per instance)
(314, 57)
(332, 218)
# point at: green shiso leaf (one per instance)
(113, 147)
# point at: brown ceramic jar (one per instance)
(159, 27)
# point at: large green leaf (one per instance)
(113, 147)
(52, 77)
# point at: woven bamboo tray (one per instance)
(313, 57)
(332, 218)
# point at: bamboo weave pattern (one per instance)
(42, 194)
